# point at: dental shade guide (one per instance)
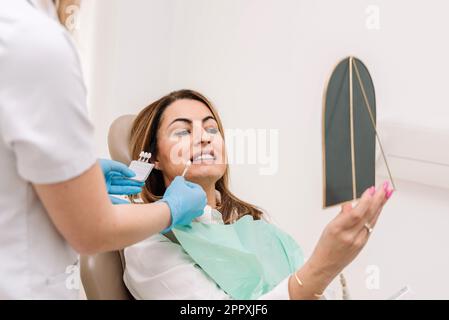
(144, 157)
(142, 167)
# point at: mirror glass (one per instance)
(349, 137)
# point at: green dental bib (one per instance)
(246, 259)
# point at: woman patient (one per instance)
(183, 126)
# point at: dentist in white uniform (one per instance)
(53, 198)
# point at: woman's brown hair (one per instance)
(144, 138)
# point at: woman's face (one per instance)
(188, 131)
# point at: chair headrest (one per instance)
(118, 138)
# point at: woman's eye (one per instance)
(212, 130)
(181, 133)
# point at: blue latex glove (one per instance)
(116, 176)
(186, 201)
(116, 200)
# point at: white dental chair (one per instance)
(102, 274)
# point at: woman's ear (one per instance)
(157, 164)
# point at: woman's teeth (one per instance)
(203, 157)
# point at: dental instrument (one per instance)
(188, 164)
(142, 167)
(206, 217)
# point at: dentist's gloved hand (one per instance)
(116, 176)
(116, 200)
(186, 201)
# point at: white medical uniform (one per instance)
(45, 137)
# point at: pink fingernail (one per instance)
(386, 185)
(372, 191)
(389, 193)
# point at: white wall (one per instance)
(264, 64)
(126, 57)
